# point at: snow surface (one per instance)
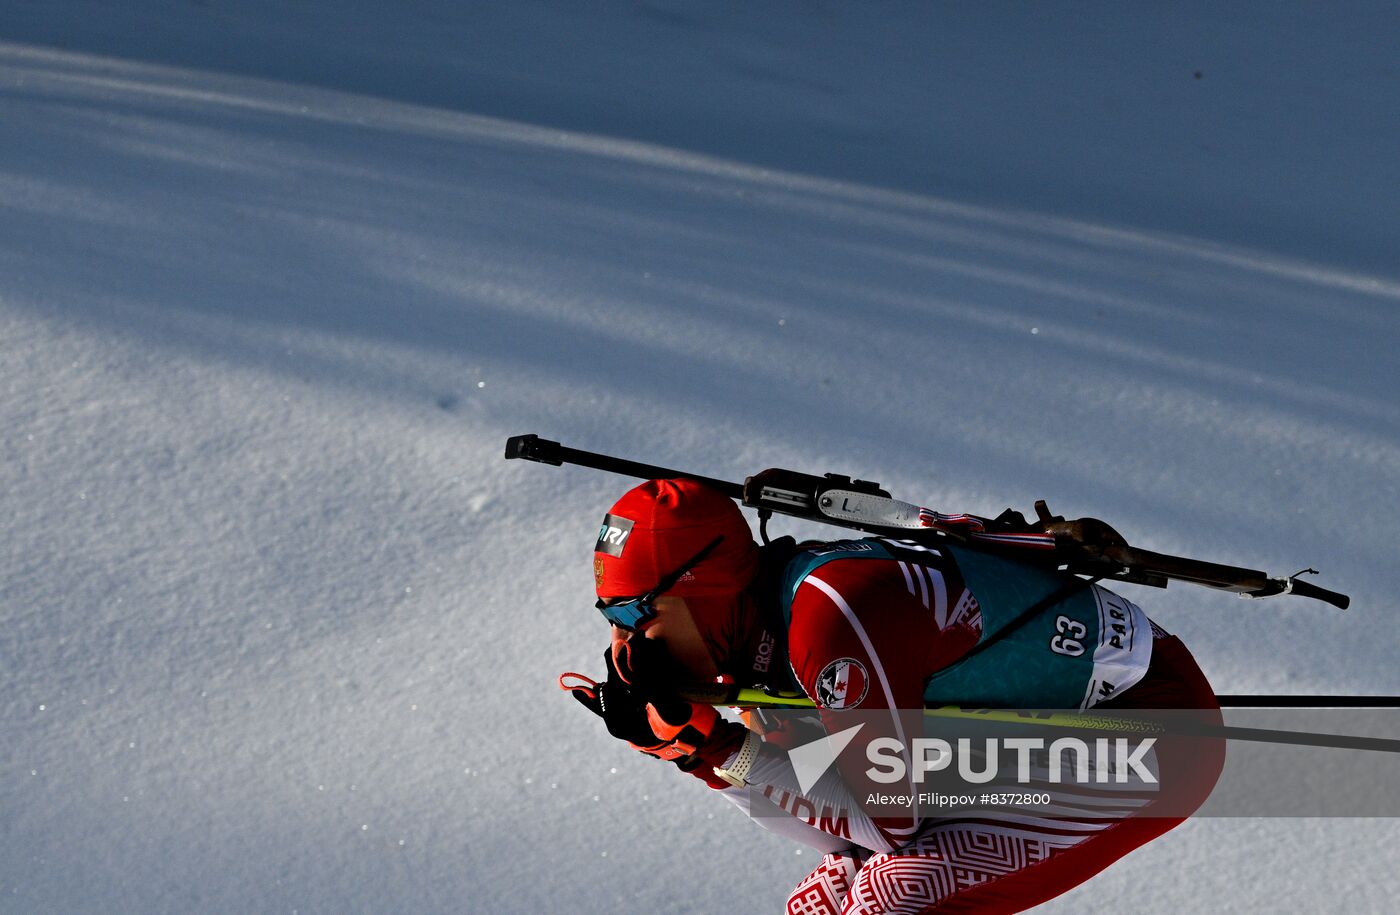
(280, 627)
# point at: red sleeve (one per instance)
(865, 635)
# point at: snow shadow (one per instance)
(296, 229)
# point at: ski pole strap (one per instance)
(585, 685)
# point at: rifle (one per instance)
(1084, 546)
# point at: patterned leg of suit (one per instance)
(944, 862)
(985, 866)
(824, 890)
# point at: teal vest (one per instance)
(1044, 661)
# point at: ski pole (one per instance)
(720, 695)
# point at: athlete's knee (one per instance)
(895, 884)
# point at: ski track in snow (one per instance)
(281, 628)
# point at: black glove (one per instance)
(622, 708)
(647, 712)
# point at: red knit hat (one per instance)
(661, 525)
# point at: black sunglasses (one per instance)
(631, 613)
